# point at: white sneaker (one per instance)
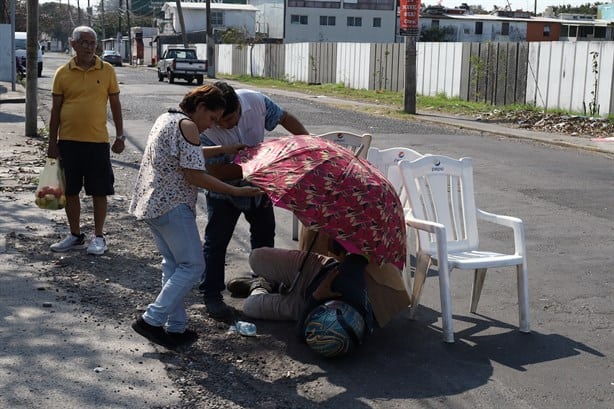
(70, 242)
(97, 246)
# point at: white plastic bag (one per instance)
(51, 185)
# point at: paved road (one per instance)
(565, 197)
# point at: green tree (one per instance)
(586, 8)
(57, 20)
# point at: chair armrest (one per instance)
(425, 225)
(514, 223)
(438, 229)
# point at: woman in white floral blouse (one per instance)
(172, 170)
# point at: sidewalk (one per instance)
(54, 352)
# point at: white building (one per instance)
(359, 21)
(223, 15)
(268, 17)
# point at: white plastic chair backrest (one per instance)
(387, 160)
(359, 144)
(440, 190)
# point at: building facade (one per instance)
(340, 21)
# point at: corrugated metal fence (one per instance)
(572, 76)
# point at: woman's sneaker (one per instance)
(97, 246)
(70, 242)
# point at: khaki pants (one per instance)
(280, 266)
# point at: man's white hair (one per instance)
(76, 33)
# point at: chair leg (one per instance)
(478, 282)
(294, 228)
(523, 298)
(423, 262)
(446, 302)
(406, 275)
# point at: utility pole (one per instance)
(119, 28)
(89, 14)
(210, 44)
(13, 68)
(409, 99)
(182, 23)
(129, 31)
(32, 69)
(79, 12)
(409, 27)
(104, 35)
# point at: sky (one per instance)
(526, 5)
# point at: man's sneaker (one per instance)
(70, 242)
(97, 246)
(157, 335)
(239, 287)
(183, 338)
(243, 286)
(218, 310)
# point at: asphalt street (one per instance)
(40, 334)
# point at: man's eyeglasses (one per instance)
(86, 44)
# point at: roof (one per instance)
(491, 17)
(214, 6)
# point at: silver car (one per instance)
(112, 57)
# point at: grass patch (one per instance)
(392, 102)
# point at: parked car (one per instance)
(112, 57)
(21, 40)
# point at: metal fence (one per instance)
(572, 76)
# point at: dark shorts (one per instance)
(87, 164)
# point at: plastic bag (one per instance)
(51, 184)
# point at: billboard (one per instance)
(409, 13)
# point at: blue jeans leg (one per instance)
(222, 219)
(177, 238)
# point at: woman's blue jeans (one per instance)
(177, 238)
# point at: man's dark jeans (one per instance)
(223, 217)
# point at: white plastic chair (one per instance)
(387, 161)
(359, 144)
(441, 195)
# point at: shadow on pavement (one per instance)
(11, 118)
(421, 366)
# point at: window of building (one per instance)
(369, 4)
(354, 22)
(435, 23)
(479, 27)
(585, 31)
(505, 29)
(377, 21)
(315, 4)
(327, 20)
(573, 31)
(217, 19)
(298, 19)
(599, 32)
(546, 30)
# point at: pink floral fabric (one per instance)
(329, 189)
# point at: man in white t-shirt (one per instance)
(247, 116)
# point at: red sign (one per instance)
(409, 15)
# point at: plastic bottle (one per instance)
(245, 328)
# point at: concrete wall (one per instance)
(6, 70)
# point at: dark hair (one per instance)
(232, 100)
(207, 94)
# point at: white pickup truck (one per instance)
(181, 63)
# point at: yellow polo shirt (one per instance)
(83, 116)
